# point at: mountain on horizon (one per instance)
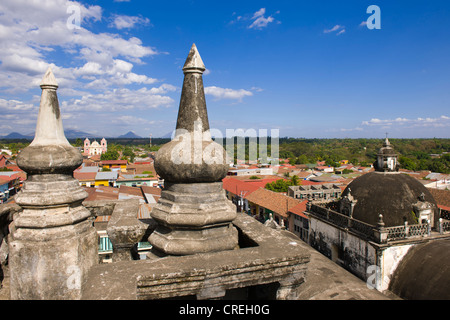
(16, 135)
(129, 134)
(70, 134)
(73, 134)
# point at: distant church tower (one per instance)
(104, 145)
(87, 144)
(95, 148)
(150, 139)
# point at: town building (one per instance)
(379, 219)
(106, 178)
(95, 148)
(323, 192)
(120, 165)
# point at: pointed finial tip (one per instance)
(194, 62)
(49, 79)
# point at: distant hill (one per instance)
(70, 134)
(16, 135)
(73, 134)
(130, 134)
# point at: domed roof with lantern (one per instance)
(398, 197)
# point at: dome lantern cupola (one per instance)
(387, 158)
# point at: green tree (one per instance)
(110, 155)
(407, 163)
(128, 152)
(302, 159)
(78, 142)
(280, 185)
(295, 180)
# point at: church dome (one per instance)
(95, 144)
(423, 273)
(392, 194)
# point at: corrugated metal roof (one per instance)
(106, 175)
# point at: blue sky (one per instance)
(307, 68)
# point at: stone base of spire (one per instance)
(194, 218)
(52, 242)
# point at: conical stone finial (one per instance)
(49, 80)
(193, 214)
(194, 62)
(49, 152)
(192, 111)
(192, 156)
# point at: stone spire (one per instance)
(52, 242)
(193, 214)
(49, 152)
(192, 103)
(192, 156)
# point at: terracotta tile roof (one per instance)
(151, 190)
(100, 194)
(2, 160)
(299, 209)
(276, 202)
(236, 186)
(262, 176)
(442, 197)
(4, 180)
(14, 168)
(84, 175)
(135, 191)
(140, 168)
(113, 162)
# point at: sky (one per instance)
(309, 69)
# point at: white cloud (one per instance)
(31, 31)
(128, 22)
(337, 27)
(121, 99)
(442, 121)
(225, 93)
(260, 21)
(14, 105)
(131, 120)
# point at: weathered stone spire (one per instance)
(52, 241)
(192, 103)
(192, 156)
(193, 213)
(49, 128)
(49, 152)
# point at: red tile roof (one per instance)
(276, 202)
(84, 175)
(100, 194)
(442, 197)
(113, 162)
(4, 180)
(151, 190)
(236, 186)
(299, 209)
(135, 191)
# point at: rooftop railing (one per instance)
(378, 234)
